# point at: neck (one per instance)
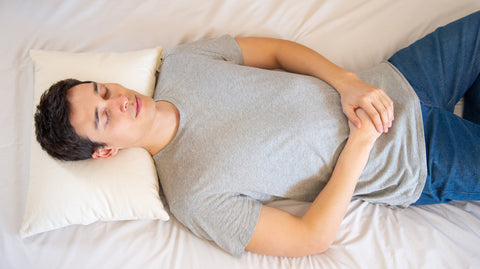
(166, 127)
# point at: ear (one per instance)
(102, 153)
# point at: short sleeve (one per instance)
(222, 48)
(229, 219)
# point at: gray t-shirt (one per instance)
(249, 135)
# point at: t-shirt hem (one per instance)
(420, 139)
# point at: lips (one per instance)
(138, 106)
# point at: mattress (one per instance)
(353, 34)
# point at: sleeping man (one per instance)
(229, 131)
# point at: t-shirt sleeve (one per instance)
(222, 48)
(229, 219)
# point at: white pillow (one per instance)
(124, 187)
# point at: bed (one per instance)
(353, 34)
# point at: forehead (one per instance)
(90, 87)
(82, 107)
(81, 94)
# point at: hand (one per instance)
(356, 93)
(367, 131)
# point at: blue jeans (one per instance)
(443, 67)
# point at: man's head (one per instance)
(52, 125)
(78, 120)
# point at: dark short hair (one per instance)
(53, 129)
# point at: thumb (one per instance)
(352, 117)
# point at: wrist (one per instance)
(362, 142)
(342, 80)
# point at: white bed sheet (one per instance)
(354, 34)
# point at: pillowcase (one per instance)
(123, 187)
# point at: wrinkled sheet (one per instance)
(354, 34)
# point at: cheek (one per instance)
(123, 129)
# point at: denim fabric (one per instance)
(442, 67)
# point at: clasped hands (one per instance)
(362, 102)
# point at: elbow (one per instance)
(319, 241)
(317, 244)
(319, 235)
(321, 246)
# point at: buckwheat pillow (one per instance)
(124, 187)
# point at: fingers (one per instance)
(375, 116)
(379, 108)
(382, 113)
(373, 100)
(388, 114)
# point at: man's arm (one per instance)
(282, 234)
(271, 53)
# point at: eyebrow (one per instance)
(95, 87)
(95, 90)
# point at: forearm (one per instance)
(269, 53)
(326, 213)
(296, 58)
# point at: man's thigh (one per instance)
(453, 157)
(442, 66)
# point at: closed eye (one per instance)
(106, 92)
(107, 116)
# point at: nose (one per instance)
(124, 104)
(119, 102)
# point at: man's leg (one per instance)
(453, 157)
(444, 65)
